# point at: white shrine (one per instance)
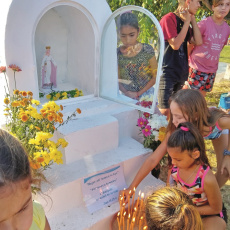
(83, 39)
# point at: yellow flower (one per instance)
(162, 134)
(22, 103)
(24, 118)
(64, 94)
(34, 142)
(43, 136)
(6, 114)
(58, 95)
(48, 96)
(55, 98)
(6, 101)
(77, 94)
(65, 97)
(36, 102)
(76, 89)
(62, 142)
(16, 92)
(6, 109)
(15, 104)
(30, 93)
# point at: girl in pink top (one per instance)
(189, 170)
(203, 60)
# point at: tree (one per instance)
(161, 7)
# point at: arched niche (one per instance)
(70, 35)
(81, 22)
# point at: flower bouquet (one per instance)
(34, 125)
(153, 130)
(61, 95)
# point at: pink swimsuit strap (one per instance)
(210, 129)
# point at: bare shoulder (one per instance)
(224, 122)
(210, 179)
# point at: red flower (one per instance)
(193, 75)
(202, 87)
(196, 82)
(15, 68)
(208, 86)
(2, 69)
(201, 78)
(198, 73)
(208, 80)
(190, 83)
(146, 115)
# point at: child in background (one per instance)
(204, 59)
(137, 65)
(177, 34)
(18, 211)
(190, 171)
(190, 105)
(171, 209)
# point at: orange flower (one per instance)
(6, 101)
(15, 103)
(61, 107)
(2, 69)
(24, 93)
(78, 111)
(22, 103)
(24, 118)
(15, 68)
(50, 117)
(36, 127)
(60, 114)
(40, 159)
(42, 110)
(30, 93)
(16, 92)
(61, 121)
(34, 165)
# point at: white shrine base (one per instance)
(100, 137)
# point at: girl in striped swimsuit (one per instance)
(190, 171)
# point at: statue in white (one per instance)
(49, 71)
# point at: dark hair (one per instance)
(187, 137)
(192, 103)
(14, 163)
(171, 209)
(127, 19)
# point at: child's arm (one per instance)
(153, 64)
(148, 165)
(213, 194)
(176, 42)
(224, 123)
(47, 226)
(197, 37)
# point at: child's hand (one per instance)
(132, 94)
(123, 195)
(225, 165)
(184, 14)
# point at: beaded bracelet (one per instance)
(226, 152)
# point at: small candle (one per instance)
(128, 221)
(145, 228)
(123, 221)
(133, 200)
(133, 223)
(129, 201)
(140, 222)
(122, 209)
(118, 220)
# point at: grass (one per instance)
(225, 54)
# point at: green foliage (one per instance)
(225, 54)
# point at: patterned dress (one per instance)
(135, 72)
